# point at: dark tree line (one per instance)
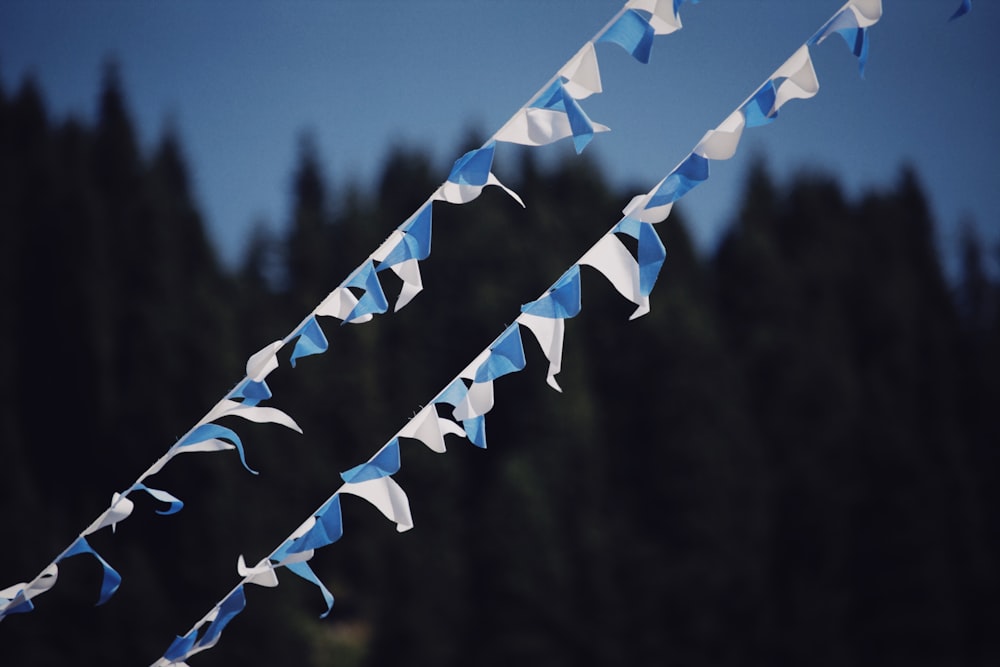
(793, 459)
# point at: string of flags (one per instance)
(552, 114)
(461, 407)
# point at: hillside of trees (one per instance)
(794, 459)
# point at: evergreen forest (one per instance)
(793, 459)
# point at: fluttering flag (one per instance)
(261, 574)
(962, 10)
(302, 569)
(16, 599)
(311, 340)
(234, 603)
(554, 115)
(110, 580)
(120, 509)
(429, 427)
(373, 299)
(469, 175)
(323, 528)
(581, 76)
(651, 251)
(852, 23)
(213, 438)
(403, 251)
(633, 32)
(615, 262)
(387, 496)
(506, 356)
(386, 462)
(253, 413)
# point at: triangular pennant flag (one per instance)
(208, 437)
(251, 392)
(234, 603)
(327, 527)
(469, 175)
(556, 98)
(549, 333)
(416, 240)
(685, 176)
(582, 74)
(721, 143)
(478, 401)
(663, 14)
(852, 23)
(387, 496)
(795, 79)
(261, 363)
(120, 509)
(110, 580)
(962, 10)
(339, 303)
(302, 569)
(633, 33)
(430, 428)
(373, 301)
(180, 648)
(612, 258)
(311, 340)
(759, 109)
(562, 299)
(506, 356)
(475, 429)
(261, 574)
(164, 497)
(252, 413)
(16, 599)
(385, 462)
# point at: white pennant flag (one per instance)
(549, 332)
(612, 258)
(386, 495)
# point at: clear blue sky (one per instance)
(242, 80)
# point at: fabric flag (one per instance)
(387, 496)
(430, 428)
(852, 23)
(322, 529)
(261, 574)
(582, 75)
(690, 173)
(311, 340)
(469, 175)
(506, 356)
(120, 509)
(209, 438)
(403, 251)
(175, 504)
(340, 303)
(373, 300)
(962, 10)
(651, 251)
(795, 79)
(562, 300)
(722, 142)
(16, 599)
(549, 332)
(110, 580)
(633, 33)
(302, 569)
(663, 14)
(234, 603)
(554, 115)
(612, 258)
(252, 413)
(386, 462)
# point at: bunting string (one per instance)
(553, 113)
(461, 407)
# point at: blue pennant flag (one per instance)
(633, 33)
(473, 168)
(251, 392)
(181, 647)
(475, 429)
(329, 528)
(506, 356)
(962, 10)
(688, 174)
(651, 251)
(453, 393)
(214, 431)
(759, 110)
(373, 300)
(845, 24)
(230, 607)
(19, 604)
(557, 99)
(175, 504)
(386, 462)
(111, 579)
(416, 241)
(303, 570)
(563, 299)
(311, 340)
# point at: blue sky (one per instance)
(241, 81)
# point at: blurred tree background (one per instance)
(792, 460)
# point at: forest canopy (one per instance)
(792, 459)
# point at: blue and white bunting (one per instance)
(469, 175)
